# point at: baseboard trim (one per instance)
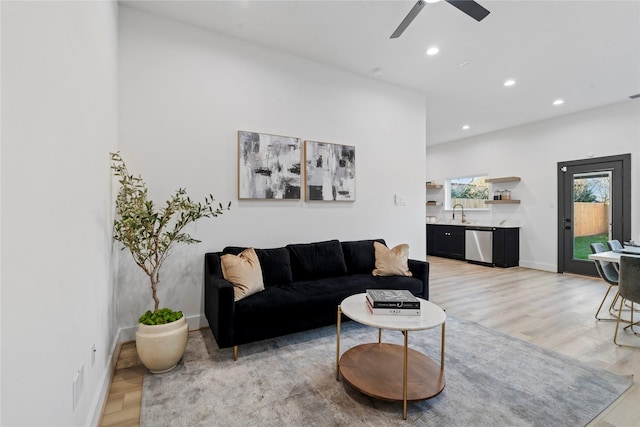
(197, 322)
(539, 266)
(127, 334)
(100, 402)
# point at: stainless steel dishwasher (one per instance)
(478, 244)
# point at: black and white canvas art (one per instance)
(269, 166)
(330, 171)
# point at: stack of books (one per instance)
(391, 301)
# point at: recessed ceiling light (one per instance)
(432, 51)
(558, 102)
(509, 82)
(465, 127)
(432, 1)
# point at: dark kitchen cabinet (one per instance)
(430, 233)
(445, 241)
(506, 247)
(448, 241)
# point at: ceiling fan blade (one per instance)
(471, 8)
(407, 20)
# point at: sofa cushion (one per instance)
(391, 262)
(303, 305)
(244, 272)
(275, 264)
(359, 256)
(317, 260)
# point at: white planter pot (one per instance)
(160, 347)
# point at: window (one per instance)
(468, 191)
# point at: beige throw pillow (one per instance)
(244, 272)
(391, 262)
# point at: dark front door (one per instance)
(594, 205)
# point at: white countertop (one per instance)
(473, 223)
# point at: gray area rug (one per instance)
(492, 380)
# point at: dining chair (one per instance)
(609, 274)
(629, 290)
(614, 245)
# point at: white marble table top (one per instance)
(431, 315)
(610, 256)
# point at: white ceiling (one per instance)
(585, 52)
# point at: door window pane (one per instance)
(591, 211)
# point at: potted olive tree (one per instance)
(150, 233)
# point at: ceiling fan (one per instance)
(469, 7)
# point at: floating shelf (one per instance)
(434, 186)
(434, 203)
(502, 202)
(504, 179)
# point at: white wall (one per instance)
(533, 152)
(59, 122)
(184, 94)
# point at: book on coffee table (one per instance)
(393, 311)
(392, 298)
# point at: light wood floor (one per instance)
(555, 311)
(551, 310)
(122, 408)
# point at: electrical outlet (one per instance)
(400, 200)
(78, 386)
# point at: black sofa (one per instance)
(304, 284)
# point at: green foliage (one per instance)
(582, 245)
(469, 188)
(591, 190)
(148, 232)
(160, 317)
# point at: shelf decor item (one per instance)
(269, 166)
(330, 171)
(150, 233)
(502, 197)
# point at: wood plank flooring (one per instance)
(122, 408)
(555, 311)
(551, 310)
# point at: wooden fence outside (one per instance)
(469, 203)
(590, 219)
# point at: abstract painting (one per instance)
(330, 171)
(269, 166)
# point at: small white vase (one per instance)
(160, 347)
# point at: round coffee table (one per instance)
(374, 368)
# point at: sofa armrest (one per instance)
(219, 304)
(420, 270)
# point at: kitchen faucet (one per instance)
(453, 216)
